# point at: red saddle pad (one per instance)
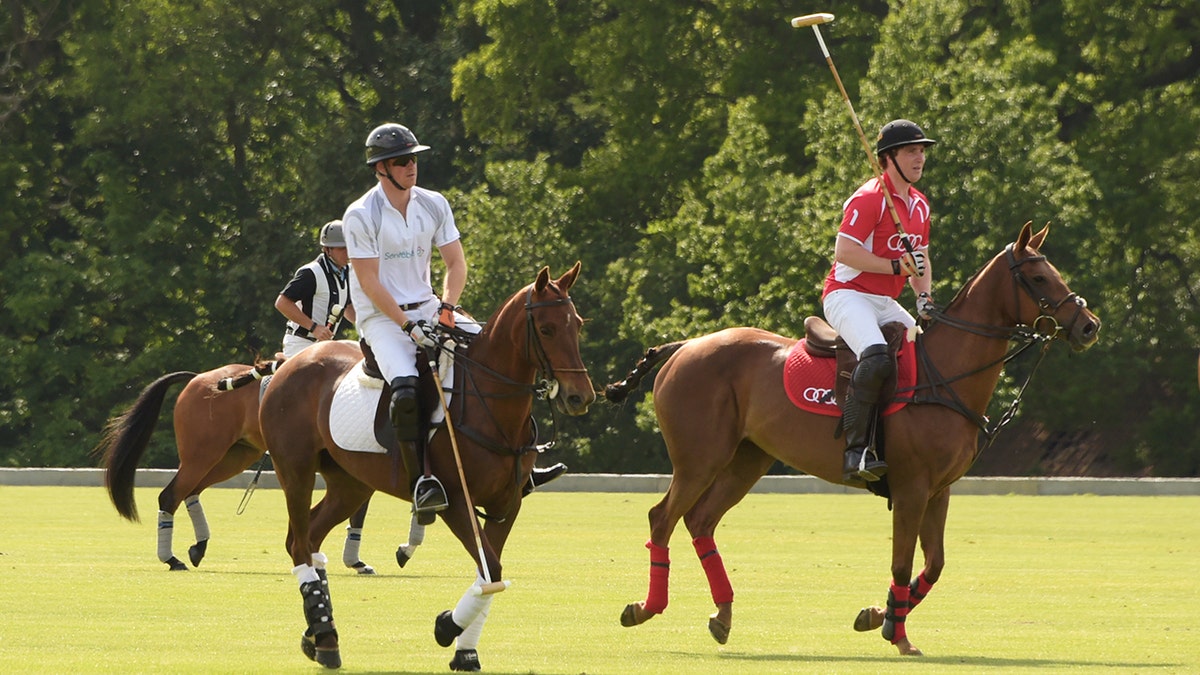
(809, 380)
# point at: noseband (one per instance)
(1046, 307)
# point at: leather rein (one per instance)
(1044, 329)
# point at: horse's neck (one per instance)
(955, 352)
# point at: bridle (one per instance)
(545, 386)
(1032, 331)
(1044, 329)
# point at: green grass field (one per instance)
(1032, 585)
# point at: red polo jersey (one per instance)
(866, 220)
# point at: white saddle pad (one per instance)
(352, 413)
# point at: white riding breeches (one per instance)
(858, 316)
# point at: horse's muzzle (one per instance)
(1085, 330)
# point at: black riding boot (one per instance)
(859, 413)
(540, 477)
(429, 496)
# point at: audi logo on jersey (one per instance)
(819, 395)
(894, 242)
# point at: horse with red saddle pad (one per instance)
(726, 415)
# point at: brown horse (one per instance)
(530, 344)
(725, 418)
(217, 436)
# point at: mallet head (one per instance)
(811, 20)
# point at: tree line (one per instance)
(164, 167)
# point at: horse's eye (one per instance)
(547, 331)
(1039, 279)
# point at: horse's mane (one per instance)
(971, 281)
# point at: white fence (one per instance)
(657, 483)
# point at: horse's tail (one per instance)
(126, 437)
(617, 391)
(258, 372)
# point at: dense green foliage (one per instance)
(165, 166)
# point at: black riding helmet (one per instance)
(900, 132)
(391, 140)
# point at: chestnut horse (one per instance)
(725, 418)
(531, 344)
(217, 436)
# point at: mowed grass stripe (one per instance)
(1032, 584)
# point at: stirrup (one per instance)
(870, 468)
(430, 500)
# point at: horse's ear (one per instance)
(566, 281)
(1023, 238)
(543, 278)
(1036, 240)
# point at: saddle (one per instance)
(427, 399)
(823, 342)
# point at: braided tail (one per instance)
(618, 391)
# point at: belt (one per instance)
(412, 305)
(309, 337)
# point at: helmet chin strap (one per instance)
(892, 158)
(388, 174)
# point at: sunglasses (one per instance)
(404, 160)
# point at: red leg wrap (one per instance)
(917, 591)
(660, 572)
(897, 611)
(714, 569)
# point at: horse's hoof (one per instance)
(402, 557)
(176, 565)
(197, 551)
(362, 568)
(906, 648)
(309, 647)
(329, 657)
(635, 614)
(445, 630)
(869, 618)
(465, 660)
(719, 629)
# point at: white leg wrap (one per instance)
(353, 541)
(166, 527)
(305, 573)
(199, 522)
(470, 613)
(471, 634)
(319, 560)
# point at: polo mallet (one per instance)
(815, 20)
(488, 587)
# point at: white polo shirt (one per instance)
(404, 246)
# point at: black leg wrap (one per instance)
(445, 630)
(319, 614)
(465, 660)
(317, 611)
